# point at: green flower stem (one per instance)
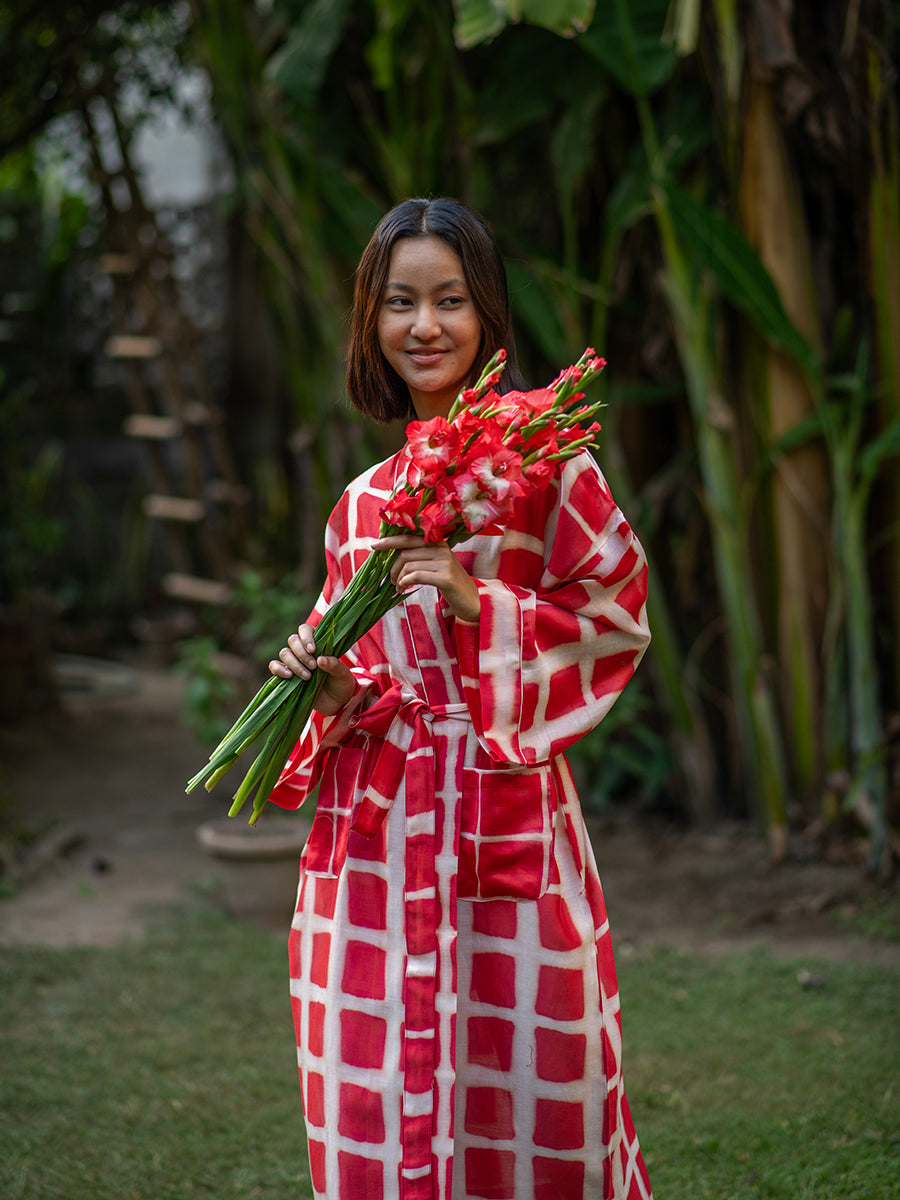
(493, 366)
(261, 710)
(282, 707)
(282, 748)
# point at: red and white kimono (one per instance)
(452, 977)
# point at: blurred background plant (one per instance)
(708, 193)
(220, 681)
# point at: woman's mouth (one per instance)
(426, 358)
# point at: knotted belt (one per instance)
(399, 725)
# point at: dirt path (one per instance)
(105, 779)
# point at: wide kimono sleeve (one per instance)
(343, 555)
(543, 665)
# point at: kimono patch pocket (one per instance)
(506, 834)
(326, 846)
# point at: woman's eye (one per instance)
(452, 301)
(397, 301)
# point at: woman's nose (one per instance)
(425, 323)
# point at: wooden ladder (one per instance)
(197, 498)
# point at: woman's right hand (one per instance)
(299, 657)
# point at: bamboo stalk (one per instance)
(689, 305)
(775, 224)
(759, 729)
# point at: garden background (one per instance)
(709, 194)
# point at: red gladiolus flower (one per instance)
(535, 402)
(496, 470)
(567, 436)
(419, 479)
(540, 473)
(402, 509)
(574, 373)
(474, 429)
(543, 442)
(464, 493)
(432, 444)
(437, 519)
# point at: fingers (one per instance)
(338, 688)
(399, 541)
(331, 665)
(297, 657)
(422, 556)
(417, 574)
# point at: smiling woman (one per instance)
(441, 242)
(454, 991)
(428, 326)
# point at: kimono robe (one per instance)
(452, 979)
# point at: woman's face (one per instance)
(428, 328)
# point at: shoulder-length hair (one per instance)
(373, 385)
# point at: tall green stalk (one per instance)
(687, 729)
(758, 723)
(858, 745)
(690, 308)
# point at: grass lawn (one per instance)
(165, 1070)
(747, 1085)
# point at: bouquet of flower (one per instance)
(463, 474)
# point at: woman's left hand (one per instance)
(433, 564)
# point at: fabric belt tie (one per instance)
(399, 726)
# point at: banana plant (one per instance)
(697, 246)
(698, 240)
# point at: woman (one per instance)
(454, 992)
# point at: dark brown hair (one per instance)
(373, 385)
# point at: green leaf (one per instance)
(299, 68)
(717, 246)
(346, 197)
(685, 129)
(797, 436)
(641, 392)
(629, 201)
(522, 87)
(684, 25)
(573, 148)
(391, 15)
(885, 445)
(565, 17)
(537, 309)
(626, 38)
(480, 20)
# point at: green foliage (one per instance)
(30, 532)
(480, 20)
(55, 55)
(209, 694)
(47, 525)
(269, 612)
(272, 610)
(625, 759)
(717, 246)
(299, 67)
(607, 162)
(633, 52)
